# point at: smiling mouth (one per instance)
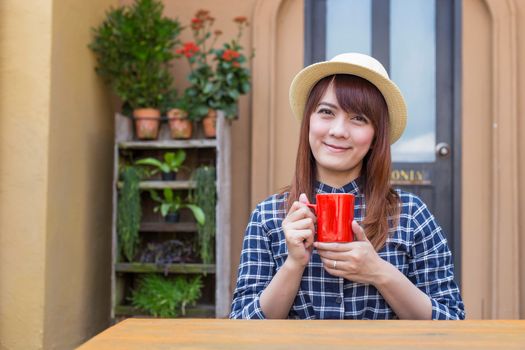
(335, 148)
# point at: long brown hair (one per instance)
(354, 94)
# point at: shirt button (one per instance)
(339, 300)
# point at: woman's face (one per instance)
(339, 140)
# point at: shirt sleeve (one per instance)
(431, 267)
(256, 270)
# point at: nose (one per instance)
(338, 128)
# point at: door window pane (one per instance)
(348, 27)
(413, 68)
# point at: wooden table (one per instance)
(156, 334)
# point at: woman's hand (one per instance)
(356, 261)
(298, 227)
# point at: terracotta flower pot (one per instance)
(146, 123)
(210, 124)
(180, 126)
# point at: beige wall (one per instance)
(25, 49)
(55, 176)
(80, 170)
(493, 158)
(278, 36)
(520, 13)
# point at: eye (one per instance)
(325, 111)
(360, 118)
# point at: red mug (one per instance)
(335, 212)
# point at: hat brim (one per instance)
(305, 80)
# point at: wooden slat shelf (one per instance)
(200, 151)
(158, 185)
(168, 227)
(172, 268)
(199, 310)
(165, 144)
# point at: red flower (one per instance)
(189, 49)
(196, 20)
(229, 55)
(240, 19)
(236, 64)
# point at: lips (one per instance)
(336, 148)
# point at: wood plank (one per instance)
(158, 185)
(223, 295)
(199, 310)
(171, 268)
(169, 144)
(168, 227)
(136, 333)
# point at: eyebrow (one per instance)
(327, 104)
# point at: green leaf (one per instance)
(197, 213)
(168, 194)
(164, 209)
(149, 161)
(154, 195)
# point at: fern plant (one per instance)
(205, 197)
(129, 213)
(166, 297)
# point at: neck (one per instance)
(336, 179)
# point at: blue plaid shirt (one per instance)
(416, 247)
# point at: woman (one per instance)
(399, 265)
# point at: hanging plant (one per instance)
(205, 196)
(129, 213)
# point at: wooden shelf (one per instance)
(199, 310)
(159, 185)
(172, 268)
(168, 227)
(165, 144)
(200, 150)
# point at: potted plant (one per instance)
(129, 213)
(205, 196)
(232, 77)
(166, 297)
(168, 168)
(133, 47)
(170, 205)
(180, 124)
(217, 77)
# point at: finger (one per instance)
(306, 223)
(327, 254)
(304, 199)
(359, 233)
(300, 213)
(301, 236)
(329, 267)
(295, 206)
(333, 246)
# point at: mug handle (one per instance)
(313, 206)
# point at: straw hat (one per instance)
(362, 66)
